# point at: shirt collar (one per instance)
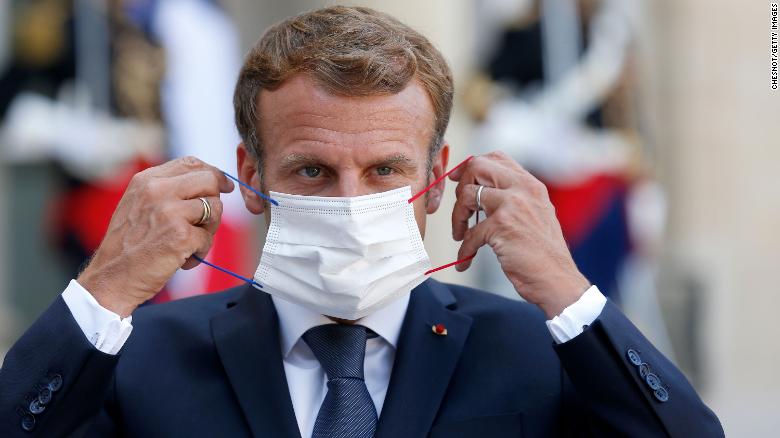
(295, 320)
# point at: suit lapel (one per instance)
(424, 362)
(247, 339)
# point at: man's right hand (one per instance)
(154, 232)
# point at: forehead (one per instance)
(300, 110)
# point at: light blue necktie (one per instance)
(347, 410)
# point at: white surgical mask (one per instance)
(343, 256)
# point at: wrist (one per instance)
(107, 293)
(561, 293)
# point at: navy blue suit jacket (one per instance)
(211, 366)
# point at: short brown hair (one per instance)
(350, 51)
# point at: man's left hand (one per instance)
(522, 229)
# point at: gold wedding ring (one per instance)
(206, 211)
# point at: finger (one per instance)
(176, 166)
(474, 238)
(217, 208)
(483, 170)
(490, 198)
(200, 183)
(459, 169)
(466, 205)
(185, 165)
(193, 210)
(201, 244)
(461, 213)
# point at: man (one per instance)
(341, 109)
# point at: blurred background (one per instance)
(652, 122)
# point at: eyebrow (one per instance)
(397, 159)
(299, 160)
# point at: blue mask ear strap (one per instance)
(257, 192)
(228, 272)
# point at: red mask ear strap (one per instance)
(430, 186)
(422, 192)
(457, 262)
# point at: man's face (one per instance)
(317, 143)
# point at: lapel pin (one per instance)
(439, 329)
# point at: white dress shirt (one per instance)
(103, 328)
(306, 379)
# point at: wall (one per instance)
(718, 137)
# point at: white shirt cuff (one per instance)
(103, 328)
(583, 312)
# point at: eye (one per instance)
(310, 171)
(384, 170)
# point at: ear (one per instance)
(439, 166)
(248, 174)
